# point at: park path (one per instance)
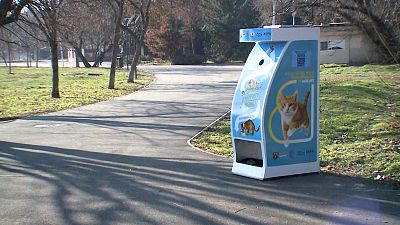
(126, 161)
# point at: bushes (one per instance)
(191, 59)
(220, 59)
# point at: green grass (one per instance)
(28, 90)
(359, 121)
(343, 71)
(217, 139)
(358, 127)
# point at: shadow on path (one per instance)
(194, 191)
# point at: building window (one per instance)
(332, 45)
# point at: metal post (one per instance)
(274, 12)
(293, 14)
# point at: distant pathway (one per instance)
(126, 161)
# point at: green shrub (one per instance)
(191, 59)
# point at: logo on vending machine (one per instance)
(275, 155)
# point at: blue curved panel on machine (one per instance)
(251, 90)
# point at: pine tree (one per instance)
(224, 19)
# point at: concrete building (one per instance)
(342, 43)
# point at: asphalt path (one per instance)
(126, 161)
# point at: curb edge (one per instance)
(189, 142)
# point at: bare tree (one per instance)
(45, 16)
(13, 38)
(6, 40)
(118, 8)
(87, 25)
(378, 19)
(282, 8)
(136, 26)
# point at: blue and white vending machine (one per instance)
(275, 108)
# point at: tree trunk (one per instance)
(76, 60)
(128, 51)
(135, 60)
(117, 36)
(30, 58)
(78, 52)
(101, 56)
(4, 59)
(37, 55)
(9, 58)
(27, 58)
(55, 93)
(132, 73)
(193, 52)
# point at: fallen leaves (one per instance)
(394, 125)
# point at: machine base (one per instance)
(262, 173)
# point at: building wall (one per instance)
(358, 49)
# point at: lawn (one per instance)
(28, 90)
(359, 122)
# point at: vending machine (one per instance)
(275, 108)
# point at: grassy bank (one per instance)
(359, 122)
(28, 90)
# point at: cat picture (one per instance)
(249, 127)
(294, 115)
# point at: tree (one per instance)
(224, 18)
(175, 31)
(285, 10)
(87, 25)
(14, 37)
(45, 16)
(136, 26)
(6, 39)
(166, 37)
(10, 10)
(118, 8)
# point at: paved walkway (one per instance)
(126, 161)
